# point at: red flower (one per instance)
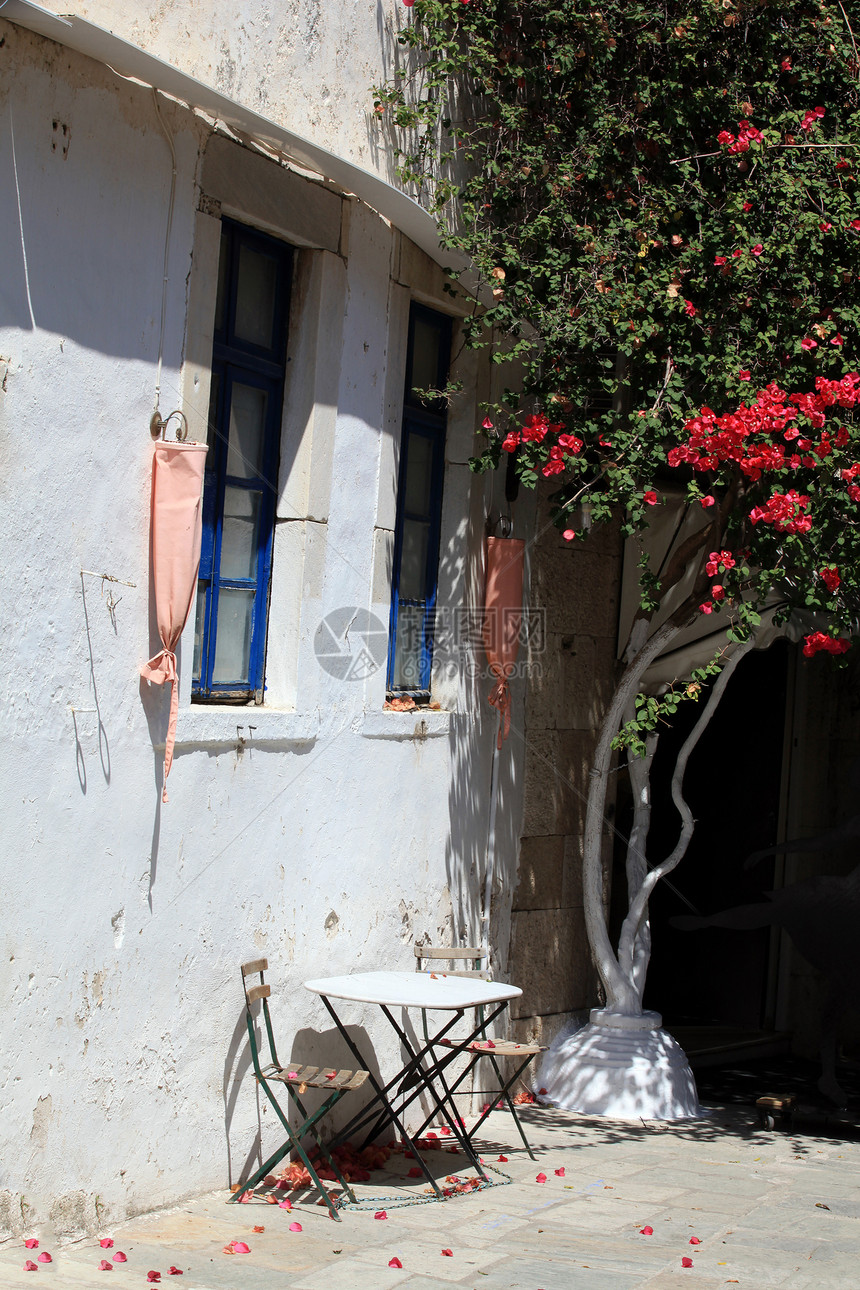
(706, 607)
(855, 224)
(837, 340)
(708, 501)
(785, 65)
(743, 375)
(650, 498)
(825, 226)
(486, 424)
(830, 578)
(511, 442)
(735, 254)
(820, 641)
(725, 138)
(568, 535)
(690, 309)
(646, 1231)
(718, 592)
(747, 206)
(807, 343)
(541, 1178)
(757, 249)
(720, 259)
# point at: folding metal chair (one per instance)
(296, 1078)
(428, 959)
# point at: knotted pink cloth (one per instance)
(502, 625)
(176, 530)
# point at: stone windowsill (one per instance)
(201, 725)
(420, 723)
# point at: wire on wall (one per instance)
(169, 137)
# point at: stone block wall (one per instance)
(576, 585)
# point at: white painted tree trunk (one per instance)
(623, 1065)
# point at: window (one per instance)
(245, 408)
(419, 506)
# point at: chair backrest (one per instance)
(252, 993)
(430, 957)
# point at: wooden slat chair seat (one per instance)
(486, 1047)
(296, 1077)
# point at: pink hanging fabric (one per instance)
(503, 606)
(176, 531)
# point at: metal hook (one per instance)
(158, 425)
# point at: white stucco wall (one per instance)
(308, 65)
(328, 838)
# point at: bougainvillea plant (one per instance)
(661, 201)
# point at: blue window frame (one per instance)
(245, 408)
(419, 506)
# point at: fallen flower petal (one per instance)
(445, 1131)
(239, 1247)
(569, 535)
(119, 1257)
(295, 1227)
(449, 1254)
(380, 1214)
(31, 1243)
(395, 1263)
(559, 1173)
(503, 1160)
(646, 1231)
(694, 1240)
(153, 1276)
(106, 1242)
(30, 1266)
(541, 1178)
(285, 1204)
(228, 1248)
(104, 1266)
(686, 1263)
(45, 1257)
(259, 1229)
(175, 1272)
(414, 1172)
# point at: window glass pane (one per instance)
(199, 624)
(413, 560)
(255, 297)
(419, 464)
(407, 652)
(239, 533)
(221, 298)
(426, 340)
(247, 427)
(233, 642)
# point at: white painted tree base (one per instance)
(624, 1068)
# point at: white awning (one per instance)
(127, 59)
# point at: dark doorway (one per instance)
(717, 976)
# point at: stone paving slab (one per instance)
(753, 1198)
